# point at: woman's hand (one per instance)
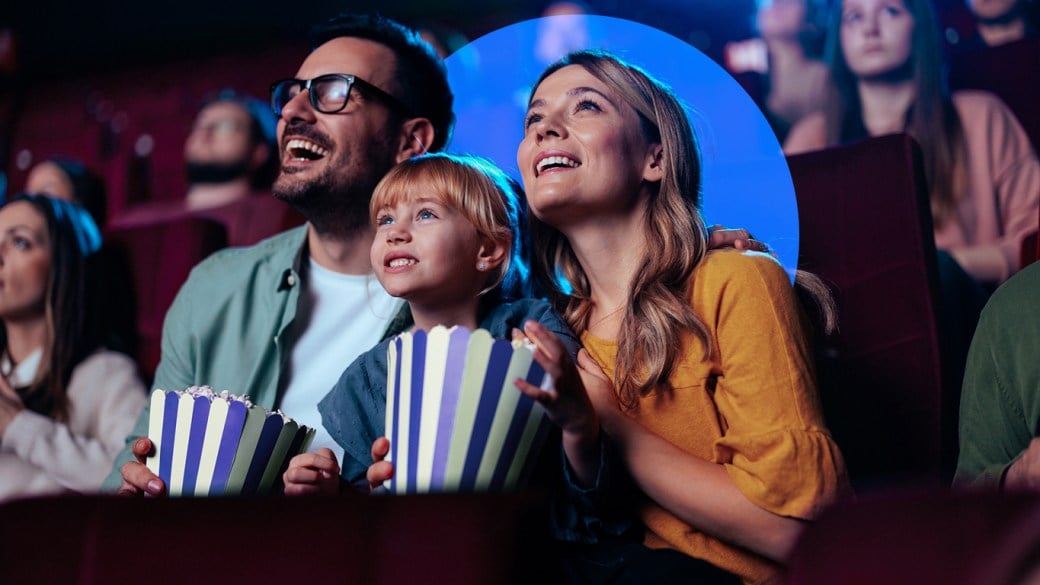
(598, 387)
(566, 403)
(312, 473)
(10, 405)
(380, 470)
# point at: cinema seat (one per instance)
(160, 256)
(866, 231)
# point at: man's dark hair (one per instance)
(421, 75)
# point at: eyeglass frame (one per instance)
(351, 80)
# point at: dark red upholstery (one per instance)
(462, 540)
(102, 117)
(1030, 250)
(866, 230)
(1009, 71)
(160, 257)
(921, 537)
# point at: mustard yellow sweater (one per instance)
(752, 407)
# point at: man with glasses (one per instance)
(280, 320)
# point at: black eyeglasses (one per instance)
(329, 93)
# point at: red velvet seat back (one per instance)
(160, 257)
(866, 230)
(921, 537)
(462, 540)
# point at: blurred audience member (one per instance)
(230, 159)
(1000, 403)
(443, 39)
(982, 171)
(66, 402)
(792, 79)
(70, 180)
(563, 29)
(999, 22)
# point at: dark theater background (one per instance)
(117, 84)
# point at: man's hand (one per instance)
(720, 237)
(138, 480)
(1024, 473)
(312, 473)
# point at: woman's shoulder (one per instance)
(106, 361)
(807, 135)
(982, 111)
(972, 100)
(720, 269)
(987, 121)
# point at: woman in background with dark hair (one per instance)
(66, 403)
(69, 179)
(983, 175)
(793, 79)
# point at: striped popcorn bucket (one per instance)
(209, 444)
(455, 419)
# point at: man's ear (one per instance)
(417, 135)
(653, 172)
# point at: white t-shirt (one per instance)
(340, 316)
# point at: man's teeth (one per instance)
(557, 161)
(305, 149)
(398, 262)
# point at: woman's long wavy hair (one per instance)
(658, 308)
(71, 334)
(932, 119)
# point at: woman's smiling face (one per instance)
(583, 152)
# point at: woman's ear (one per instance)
(653, 172)
(417, 135)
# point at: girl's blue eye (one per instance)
(426, 214)
(384, 220)
(21, 243)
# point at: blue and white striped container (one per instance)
(455, 419)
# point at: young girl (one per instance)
(65, 402)
(448, 242)
(706, 389)
(982, 172)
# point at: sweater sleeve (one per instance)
(105, 398)
(1000, 400)
(1004, 154)
(775, 445)
(354, 412)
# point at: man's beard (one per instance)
(199, 172)
(327, 203)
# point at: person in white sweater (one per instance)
(66, 403)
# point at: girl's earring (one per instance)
(482, 266)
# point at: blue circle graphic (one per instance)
(746, 182)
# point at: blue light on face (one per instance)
(745, 179)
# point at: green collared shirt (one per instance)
(227, 327)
